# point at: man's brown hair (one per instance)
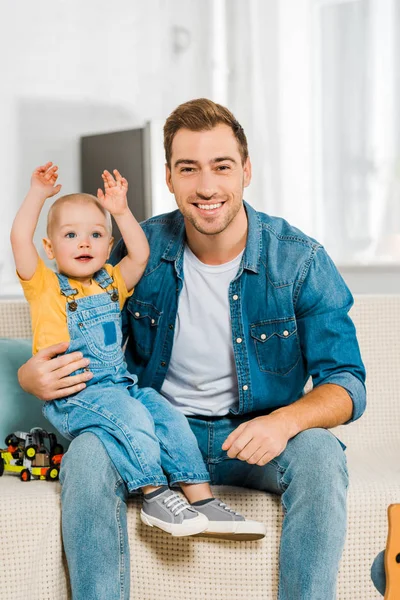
(200, 115)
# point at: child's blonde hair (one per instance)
(78, 198)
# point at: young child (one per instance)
(144, 435)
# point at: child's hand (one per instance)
(114, 200)
(44, 180)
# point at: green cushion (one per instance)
(19, 411)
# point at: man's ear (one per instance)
(48, 248)
(168, 179)
(246, 172)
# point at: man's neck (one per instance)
(222, 247)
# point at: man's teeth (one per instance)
(209, 206)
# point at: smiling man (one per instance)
(235, 311)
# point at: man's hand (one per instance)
(114, 200)
(47, 377)
(44, 179)
(260, 440)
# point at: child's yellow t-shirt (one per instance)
(48, 305)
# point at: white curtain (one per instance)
(268, 86)
(360, 137)
(315, 85)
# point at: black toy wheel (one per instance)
(30, 451)
(25, 475)
(11, 440)
(52, 474)
(1, 466)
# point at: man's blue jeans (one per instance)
(310, 476)
(378, 574)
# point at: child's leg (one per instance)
(181, 458)
(126, 430)
(196, 491)
(124, 426)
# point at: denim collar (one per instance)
(251, 256)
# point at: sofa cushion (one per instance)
(19, 411)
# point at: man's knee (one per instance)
(378, 574)
(317, 453)
(86, 466)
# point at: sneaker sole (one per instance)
(233, 537)
(189, 527)
(235, 530)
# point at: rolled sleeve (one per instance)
(327, 334)
(356, 390)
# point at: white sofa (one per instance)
(31, 558)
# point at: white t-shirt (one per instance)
(201, 378)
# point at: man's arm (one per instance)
(331, 354)
(260, 440)
(114, 200)
(47, 375)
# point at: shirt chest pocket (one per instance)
(276, 344)
(144, 321)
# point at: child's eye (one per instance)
(96, 234)
(70, 234)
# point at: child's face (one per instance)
(80, 242)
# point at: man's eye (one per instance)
(187, 170)
(96, 234)
(223, 167)
(70, 234)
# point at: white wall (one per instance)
(71, 68)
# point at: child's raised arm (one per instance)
(43, 186)
(114, 200)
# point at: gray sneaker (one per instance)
(169, 512)
(227, 524)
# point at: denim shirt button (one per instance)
(245, 388)
(235, 297)
(263, 336)
(152, 321)
(137, 314)
(285, 333)
(239, 340)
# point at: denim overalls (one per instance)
(144, 435)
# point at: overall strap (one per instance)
(104, 280)
(67, 291)
(65, 287)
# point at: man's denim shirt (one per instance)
(289, 314)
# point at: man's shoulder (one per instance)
(165, 223)
(283, 231)
(286, 251)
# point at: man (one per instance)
(235, 311)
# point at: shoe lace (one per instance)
(176, 504)
(228, 509)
